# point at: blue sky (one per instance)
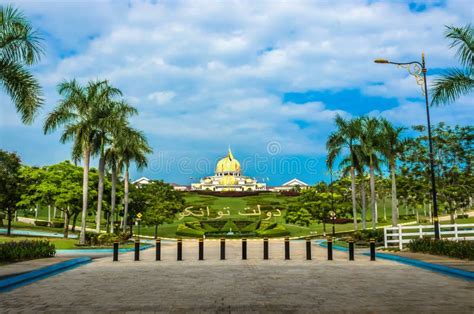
(265, 77)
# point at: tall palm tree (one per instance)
(392, 146)
(370, 139)
(77, 111)
(112, 158)
(345, 137)
(133, 148)
(457, 81)
(111, 114)
(20, 46)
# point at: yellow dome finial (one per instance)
(229, 153)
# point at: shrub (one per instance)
(278, 231)
(366, 235)
(339, 221)
(230, 225)
(251, 227)
(209, 228)
(459, 249)
(462, 216)
(186, 231)
(57, 223)
(290, 193)
(41, 223)
(25, 250)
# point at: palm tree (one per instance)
(111, 114)
(392, 146)
(345, 137)
(133, 148)
(20, 46)
(78, 111)
(457, 81)
(112, 157)
(370, 138)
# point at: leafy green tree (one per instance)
(457, 81)
(79, 112)
(10, 164)
(346, 137)
(20, 46)
(298, 215)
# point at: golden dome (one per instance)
(228, 180)
(228, 164)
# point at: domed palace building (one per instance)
(228, 177)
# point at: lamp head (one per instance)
(381, 61)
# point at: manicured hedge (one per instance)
(186, 231)
(457, 249)
(15, 251)
(278, 231)
(41, 223)
(230, 225)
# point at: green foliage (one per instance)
(9, 183)
(277, 230)
(25, 250)
(230, 225)
(457, 249)
(251, 227)
(186, 231)
(297, 216)
(208, 228)
(41, 223)
(366, 235)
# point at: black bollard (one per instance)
(158, 249)
(372, 249)
(351, 250)
(244, 248)
(179, 256)
(265, 248)
(201, 249)
(116, 245)
(222, 248)
(308, 248)
(137, 250)
(329, 249)
(287, 248)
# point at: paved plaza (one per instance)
(234, 285)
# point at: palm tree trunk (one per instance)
(125, 199)
(100, 191)
(363, 202)
(114, 189)
(85, 191)
(372, 196)
(394, 195)
(354, 202)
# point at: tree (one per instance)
(79, 112)
(391, 147)
(457, 81)
(9, 184)
(133, 147)
(111, 115)
(345, 137)
(20, 46)
(370, 138)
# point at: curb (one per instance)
(467, 275)
(13, 282)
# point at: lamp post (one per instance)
(333, 219)
(418, 70)
(332, 213)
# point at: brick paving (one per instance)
(234, 285)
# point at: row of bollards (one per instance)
(179, 255)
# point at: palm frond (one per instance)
(462, 39)
(451, 86)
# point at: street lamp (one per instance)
(418, 70)
(333, 219)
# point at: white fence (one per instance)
(404, 234)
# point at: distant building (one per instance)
(141, 181)
(179, 187)
(145, 180)
(290, 185)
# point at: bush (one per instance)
(230, 225)
(460, 249)
(290, 193)
(277, 231)
(25, 250)
(41, 223)
(209, 228)
(339, 221)
(366, 235)
(251, 227)
(462, 216)
(57, 223)
(186, 231)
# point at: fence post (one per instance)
(158, 249)
(116, 246)
(456, 232)
(351, 249)
(201, 249)
(244, 249)
(420, 228)
(308, 248)
(137, 250)
(222, 248)
(179, 256)
(329, 249)
(385, 237)
(372, 249)
(287, 248)
(400, 237)
(265, 248)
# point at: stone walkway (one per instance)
(234, 285)
(439, 260)
(27, 266)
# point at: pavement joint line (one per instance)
(22, 279)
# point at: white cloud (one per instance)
(161, 97)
